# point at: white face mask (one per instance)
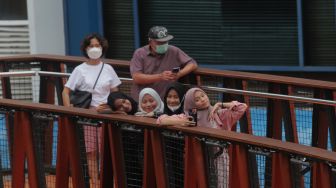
(173, 108)
(94, 53)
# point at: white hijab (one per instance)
(157, 98)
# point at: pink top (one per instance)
(224, 118)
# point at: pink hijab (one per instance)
(203, 115)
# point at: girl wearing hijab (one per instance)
(150, 103)
(174, 99)
(173, 104)
(197, 103)
(220, 116)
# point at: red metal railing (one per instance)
(278, 119)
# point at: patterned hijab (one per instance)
(119, 95)
(202, 115)
(181, 90)
(157, 98)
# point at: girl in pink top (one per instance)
(221, 115)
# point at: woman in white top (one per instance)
(84, 75)
(83, 78)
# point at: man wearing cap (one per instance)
(152, 65)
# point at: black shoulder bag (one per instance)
(82, 99)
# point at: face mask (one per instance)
(161, 49)
(173, 108)
(94, 53)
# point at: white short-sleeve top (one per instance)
(84, 76)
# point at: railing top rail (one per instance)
(268, 78)
(58, 58)
(200, 71)
(201, 132)
(208, 88)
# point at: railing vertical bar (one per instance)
(247, 115)
(115, 142)
(270, 124)
(292, 115)
(148, 173)
(5, 82)
(23, 147)
(281, 176)
(106, 159)
(321, 176)
(68, 155)
(320, 121)
(190, 175)
(246, 121)
(333, 125)
(158, 156)
(292, 136)
(239, 163)
(47, 95)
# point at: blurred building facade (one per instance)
(285, 36)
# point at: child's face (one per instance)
(173, 98)
(123, 105)
(201, 100)
(148, 103)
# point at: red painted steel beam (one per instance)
(293, 127)
(239, 172)
(113, 159)
(281, 176)
(106, 175)
(68, 155)
(189, 164)
(274, 115)
(148, 171)
(47, 95)
(5, 82)
(159, 161)
(23, 148)
(248, 112)
(321, 174)
(154, 164)
(195, 173)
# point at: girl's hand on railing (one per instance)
(176, 120)
(103, 109)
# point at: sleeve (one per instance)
(136, 64)
(230, 117)
(172, 117)
(184, 58)
(115, 81)
(160, 118)
(74, 80)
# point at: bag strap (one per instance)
(98, 77)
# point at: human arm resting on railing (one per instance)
(105, 109)
(141, 78)
(190, 67)
(66, 96)
(181, 120)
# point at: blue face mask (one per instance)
(161, 49)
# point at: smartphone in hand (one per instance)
(175, 69)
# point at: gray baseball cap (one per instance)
(159, 33)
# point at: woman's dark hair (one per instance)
(87, 40)
(119, 95)
(181, 91)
